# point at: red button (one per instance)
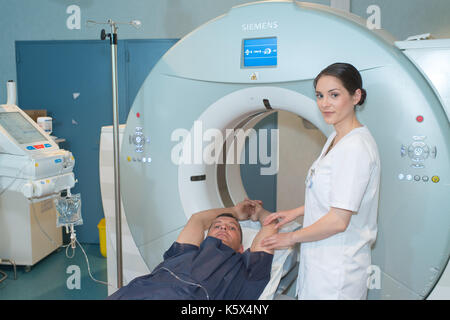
(138, 114)
(39, 146)
(419, 118)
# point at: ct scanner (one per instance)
(218, 77)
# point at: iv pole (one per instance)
(113, 42)
(118, 214)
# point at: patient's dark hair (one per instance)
(348, 75)
(229, 215)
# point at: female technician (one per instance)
(341, 200)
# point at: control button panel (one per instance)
(417, 178)
(139, 141)
(139, 159)
(418, 151)
(39, 146)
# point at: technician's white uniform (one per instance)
(347, 177)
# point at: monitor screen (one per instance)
(260, 52)
(20, 128)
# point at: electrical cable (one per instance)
(89, 268)
(184, 281)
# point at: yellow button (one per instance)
(435, 179)
(47, 181)
(129, 158)
(36, 164)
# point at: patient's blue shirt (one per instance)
(211, 271)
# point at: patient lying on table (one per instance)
(215, 268)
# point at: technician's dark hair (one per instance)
(349, 76)
(230, 216)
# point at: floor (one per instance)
(58, 277)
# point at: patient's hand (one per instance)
(258, 212)
(247, 209)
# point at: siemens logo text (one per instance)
(260, 26)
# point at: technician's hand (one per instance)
(279, 241)
(283, 217)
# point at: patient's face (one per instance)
(227, 230)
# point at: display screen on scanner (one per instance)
(19, 128)
(261, 52)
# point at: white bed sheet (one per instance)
(283, 260)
